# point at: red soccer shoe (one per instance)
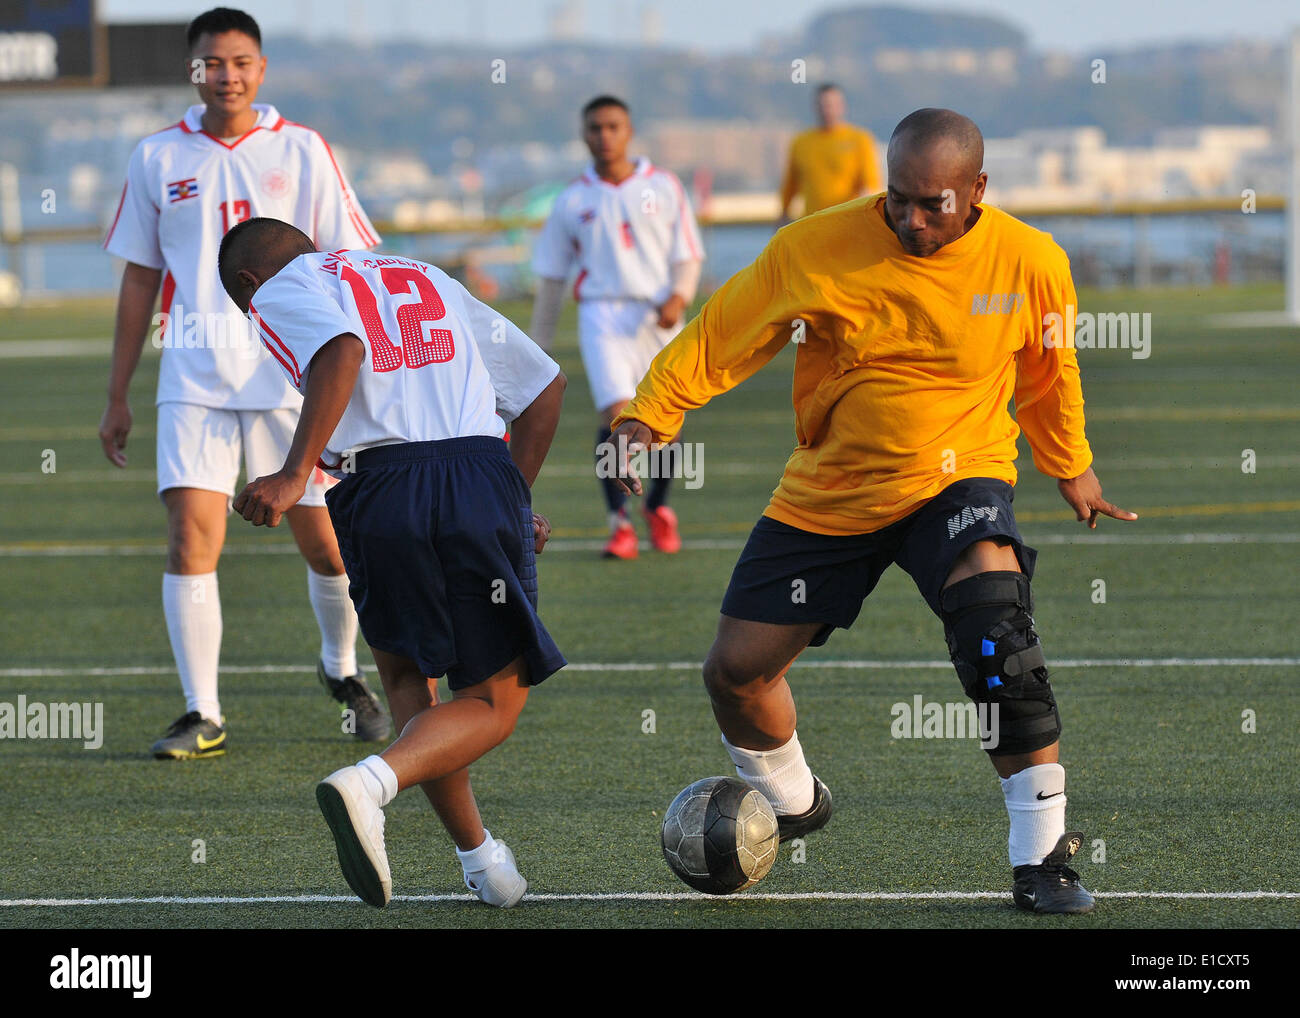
(663, 530)
(622, 543)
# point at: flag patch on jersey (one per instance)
(179, 190)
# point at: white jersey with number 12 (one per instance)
(438, 363)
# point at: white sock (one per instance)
(192, 607)
(380, 781)
(337, 619)
(477, 859)
(781, 774)
(1036, 804)
(617, 520)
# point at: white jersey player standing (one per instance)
(628, 228)
(219, 393)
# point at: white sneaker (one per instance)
(357, 823)
(500, 884)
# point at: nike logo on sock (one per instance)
(1052, 796)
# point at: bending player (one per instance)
(218, 393)
(919, 315)
(629, 229)
(433, 515)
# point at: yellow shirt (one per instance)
(904, 365)
(830, 167)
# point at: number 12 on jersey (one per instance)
(415, 350)
(233, 213)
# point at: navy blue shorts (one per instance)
(437, 539)
(838, 572)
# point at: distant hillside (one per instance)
(858, 30)
(430, 101)
(421, 98)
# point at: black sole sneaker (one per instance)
(1051, 887)
(191, 737)
(814, 818)
(357, 825)
(369, 721)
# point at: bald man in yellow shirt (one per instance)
(829, 164)
(917, 316)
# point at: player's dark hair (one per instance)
(601, 101)
(828, 86)
(925, 126)
(222, 19)
(258, 242)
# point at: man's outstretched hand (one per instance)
(629, 438)
(1084, 495)
(264, 501)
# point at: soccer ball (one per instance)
(720, 835)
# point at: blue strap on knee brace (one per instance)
(989, 649)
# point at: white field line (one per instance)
(567, 544)
(738, 468)
(677, 666)
(340, 899)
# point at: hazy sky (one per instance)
(1072, 25)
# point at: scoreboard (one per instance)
(51, 43)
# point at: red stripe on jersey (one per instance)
(168, 292)
(189, 130)
(370, 239)
(686, 226)
(577, 283)
(295, 378)
(238, 141)
(120, 202)
(287, 367)
(261, 323)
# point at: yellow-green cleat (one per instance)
(191, 737)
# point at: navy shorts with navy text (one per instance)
(437, 540)
(789, 576)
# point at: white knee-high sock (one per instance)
(192, 607)
(781, 774)
(1036, 804)
(337, 620)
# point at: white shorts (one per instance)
(619, 339)
(199, 447)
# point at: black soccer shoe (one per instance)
(1051, 887)
(371, 722)
(814, 818)
(191, 737)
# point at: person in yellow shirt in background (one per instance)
(829, 164)
(917, 316)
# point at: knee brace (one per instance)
(998, 658)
